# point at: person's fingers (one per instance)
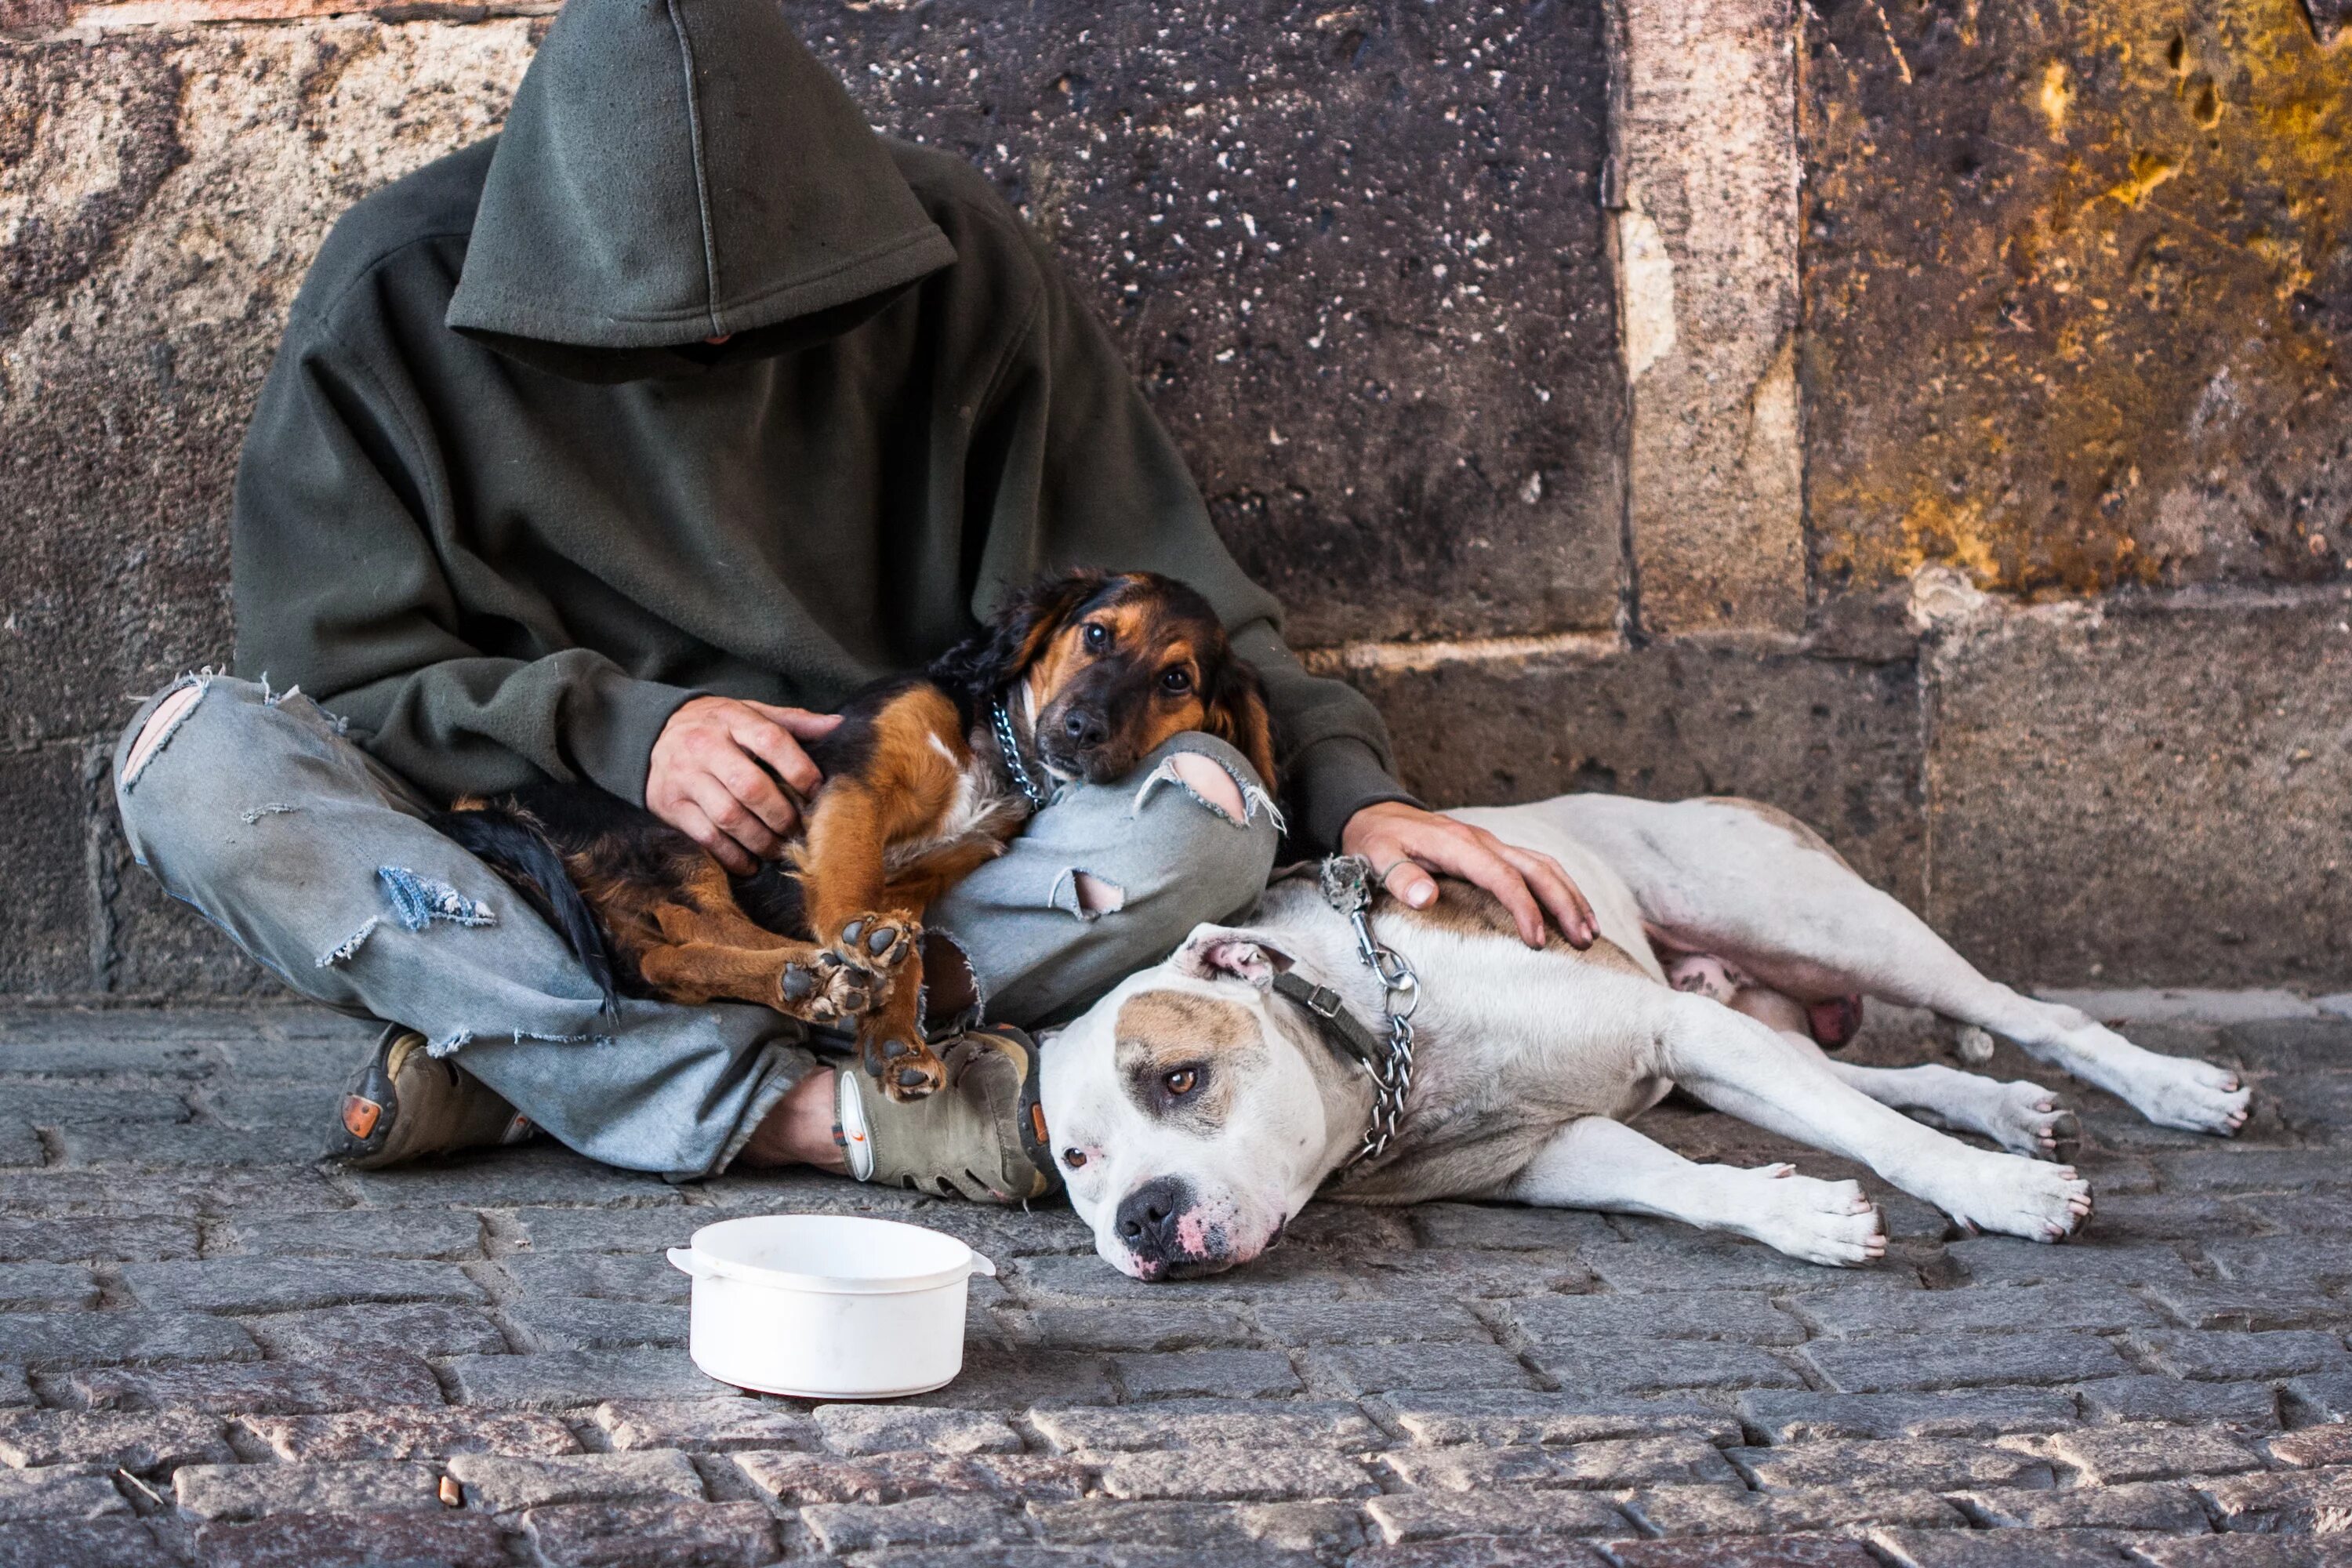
(1481, 862)
(1408, 882)
(751, 786)
(1558, 891)
(773, 744)
(734, 819)
(690, 819)
(806, 725)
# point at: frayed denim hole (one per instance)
(1254, 799)
(1074, 894)
(342, 950)
(150, 742)
(418, 902)
(267, 808)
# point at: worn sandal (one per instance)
(982, 1137)
(406, 1105)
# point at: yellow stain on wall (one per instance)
(2057, 98)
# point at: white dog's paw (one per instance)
(2024, 1118)
(1821, 1222)
(2012, 1195)
(2194, 1096)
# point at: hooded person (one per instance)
(683, 407)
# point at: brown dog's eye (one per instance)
(1073, 1158)
(1097, 635)
(1182, 1081)
(1176, 680)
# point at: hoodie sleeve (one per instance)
(1109, 488)
(340, 588)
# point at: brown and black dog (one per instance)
(1086, 673)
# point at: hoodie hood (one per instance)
(676, 170)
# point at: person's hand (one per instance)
(706, 781)
(1405, 844)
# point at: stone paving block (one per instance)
(1188, 1326)
(45, 1287)
(2300, 1502)
(1717, 1510)
(168, 1192)
(71, 1053)
(1235, 1475)
(703, 1426)
(407, 1435)
(96, 1240)
(16, 1393)
(1611, 1463)
(2313, 1447)
(1798, 1551)
(1003, 1233)
(653, 1535)
(2166, 1216)
(2012, 1307)
(1425, 1516)
(149, 1144)
(1380, 1368)
(328, 1060)
(1679, 1258)
(1465, 1276)
(349, 1541)
(1280, 1276)
(562, 1380)
(2233, 1170)
(887, 1428)
(1927, 1464)
(1886, 1364)
(1794, 1416)
(299, 1106)
(2324, 1398)
(354, 1233)
(1491, 1552)
(20, 1144)
(65, 1491)
(1206, 1375)
(582, 1324)
(1308, 1323)
(96, 1338)
(1503, 1227)
(68, 1104)
(1512, 1418)
(2084, 1261)
(1211, 1530)
(280, 1284)
(2109, 1456)
(845, 1527)
(1193, 1423)
(997, 1379)
(331, 1332)
(798, 1479)
(1570, 1320)
(96, 1544)
(2219, 1356)
(1598, 1365)
(2173, 1399)
(620, 1276)
(2247, 1308)
(506, 1483)
(2002, 1549)
(638, 1230)
(361, 1382)
(134, 1443)
(2136, 1505)
(507, 1178)
(2241, 1551)
(262, 1492)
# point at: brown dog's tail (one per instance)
(508, 841)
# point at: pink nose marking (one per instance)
(1193, 1233)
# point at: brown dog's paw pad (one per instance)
(827, 990)
(881, 942)
(906, 1068)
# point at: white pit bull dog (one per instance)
(1199, 1106)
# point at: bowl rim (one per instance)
(711, 1264)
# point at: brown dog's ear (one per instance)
(993, 658)
(1237, 715)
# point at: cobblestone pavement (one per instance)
(212, 1350)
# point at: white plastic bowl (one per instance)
(828, 1306)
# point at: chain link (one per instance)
(1346, 882)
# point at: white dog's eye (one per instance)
(1073, 1158)
(1183, 1081)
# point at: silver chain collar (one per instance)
(1010, 744)
(1347, 884)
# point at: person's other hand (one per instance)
(1405, 844)
(706, 781)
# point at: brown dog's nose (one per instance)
(1085, 727)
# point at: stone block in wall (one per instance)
(45, 909)
(2160, 793)
(1834, 742)
(1353, 252)
(2078, 293)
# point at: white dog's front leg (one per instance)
(1736, 1064)
(1597, 1163)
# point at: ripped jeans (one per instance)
(253, 807)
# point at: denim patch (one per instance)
(418, 902)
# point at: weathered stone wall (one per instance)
(1931, 420)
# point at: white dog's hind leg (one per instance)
(1597, 1163)
(1736, 1064)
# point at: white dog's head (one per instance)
(1193, 1113)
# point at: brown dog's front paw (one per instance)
(901, 1061)
(878, 942)
(828, 989)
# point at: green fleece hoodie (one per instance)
(503, 510)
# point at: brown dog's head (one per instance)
(1115, 664)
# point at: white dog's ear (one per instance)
(1230, 953)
